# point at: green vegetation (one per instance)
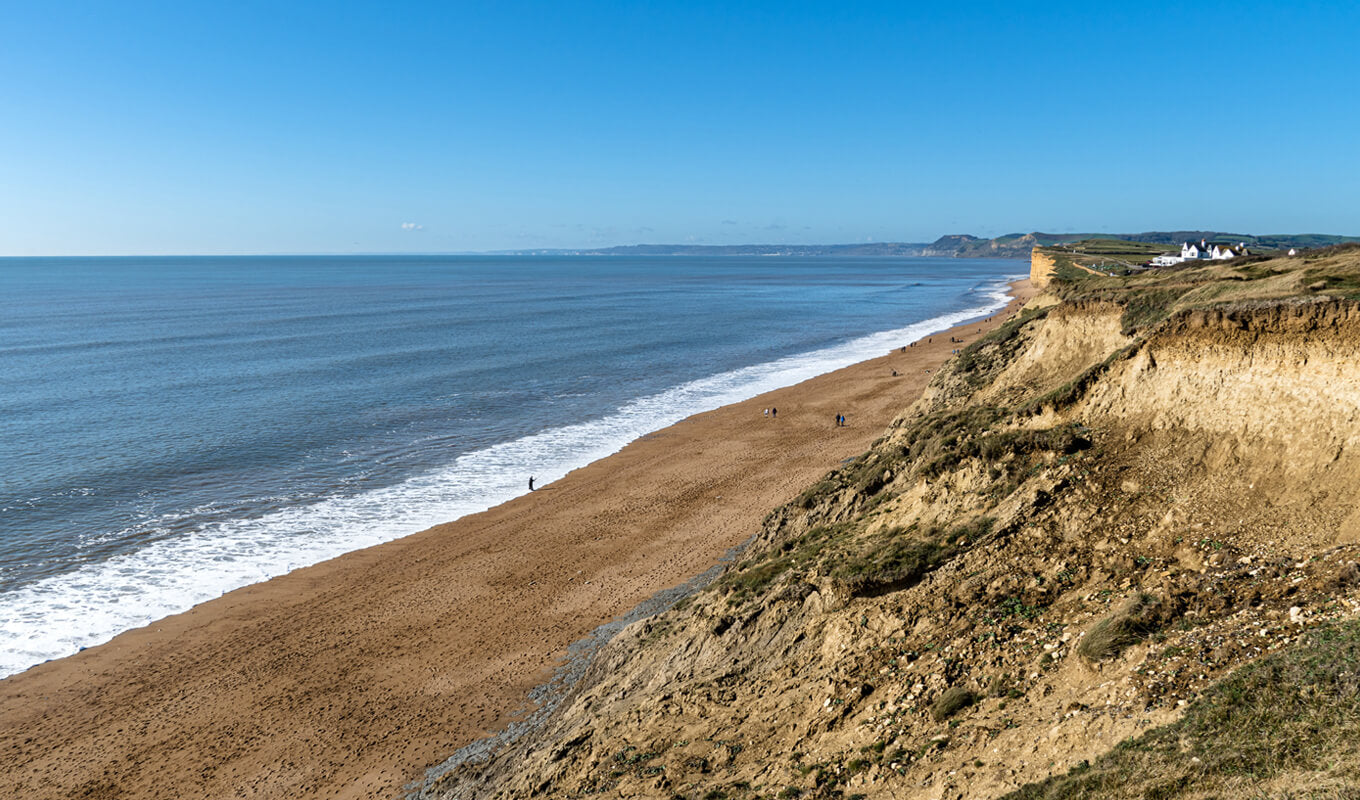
(896, 563)
(1323, 280)
(1292, 717)
(1112, 255)
(749, 579)
(1001, 447)
(1153, 296)
(1145, 309)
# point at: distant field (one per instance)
(1112, 256)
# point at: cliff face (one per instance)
(1091, 517)
(1041, 267)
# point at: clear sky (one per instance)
(268, 127)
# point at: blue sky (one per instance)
(254, 127)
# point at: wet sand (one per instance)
(349, 678)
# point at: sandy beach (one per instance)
(349, 678)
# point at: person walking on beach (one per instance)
(767, 413)
(531, 483)
(774, 412)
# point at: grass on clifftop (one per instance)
(1153, 295)
(1290, 721)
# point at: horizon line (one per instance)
(598, 248)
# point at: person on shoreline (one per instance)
(531, 483)
(767, 413)
(774, 412)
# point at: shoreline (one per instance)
(58, 615)
(351, 677)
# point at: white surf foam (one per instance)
(58, 616)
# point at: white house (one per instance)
(1202, 251)
(1191, 251)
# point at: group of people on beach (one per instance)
(841, 418)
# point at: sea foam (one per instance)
(62, 614)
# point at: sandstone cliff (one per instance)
(1041, 268)
(1088, 522)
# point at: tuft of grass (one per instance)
(816, 492)
(952, 702)
(1288, 718)
(939, 442)
(893, 563)
(1137, 618)
(752, 578)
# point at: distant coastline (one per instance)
(1011, 245)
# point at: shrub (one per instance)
(1137, 618)
(952, 702)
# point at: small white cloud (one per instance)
(411, 226)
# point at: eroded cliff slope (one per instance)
(1092, 517)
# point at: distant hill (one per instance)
(899, 249)
(962, 245)
(1012, 245)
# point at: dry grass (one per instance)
(1149, 297)
(1285, 726)
(1137, 618)
(952, 702)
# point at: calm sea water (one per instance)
(174, 428)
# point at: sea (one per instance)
(173, 428)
